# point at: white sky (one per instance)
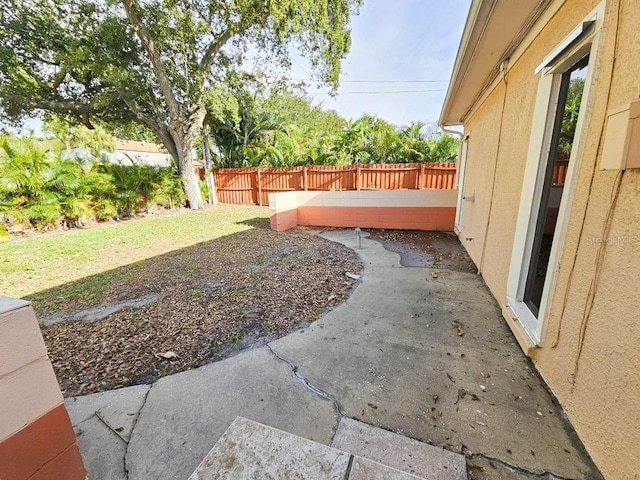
(392, 40)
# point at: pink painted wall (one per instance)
(397, 209)
(37, 440)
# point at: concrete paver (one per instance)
(249, 450)
(402, 453)
(363, 469)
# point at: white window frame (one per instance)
(460, 177)
(564, 55)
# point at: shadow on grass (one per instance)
(258, 222)
(210, 300)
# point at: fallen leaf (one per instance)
(463, 393)
(459, 326)
(168, 355)
(119, 429)
(371, 405)
(434, 274)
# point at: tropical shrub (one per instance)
(41, 187)
(286, 130)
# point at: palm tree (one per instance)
(38, 186)
(444, 148)
(570, 116)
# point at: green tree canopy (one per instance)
(165, 64)
(285, 129)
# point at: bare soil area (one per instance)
(211, 300)
(426, 249)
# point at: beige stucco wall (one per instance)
(601, 396)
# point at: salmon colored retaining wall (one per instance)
(37, 441)
(392, 209)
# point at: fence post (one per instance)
(358, 177)
(305, 179)
(259, 188)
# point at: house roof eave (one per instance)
(493, 31)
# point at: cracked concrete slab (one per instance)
(102, 450)
(103, 423)
(185, 414)
(392, 357)
(117, 408)
(399, 452)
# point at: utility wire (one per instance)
(334, 98)
(372, 81)
(378, 93)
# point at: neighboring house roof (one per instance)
(134, 146)
(493, 31)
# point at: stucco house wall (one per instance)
(590, 352)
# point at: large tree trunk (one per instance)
(186, 168)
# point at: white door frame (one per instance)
(461, 174)
(537, 157)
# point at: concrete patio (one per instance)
(420, 352)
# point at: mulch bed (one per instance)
(213, 298)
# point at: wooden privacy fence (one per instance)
(252, 186)
(560, 172)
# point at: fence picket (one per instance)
(251, 186)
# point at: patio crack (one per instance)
(527, 471)
(133, 427)
(310, 386)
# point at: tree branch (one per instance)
(160, 130)
(57, 79)
(212, 51)
(61, 106)
(164, 84)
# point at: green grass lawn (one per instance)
(41, 262)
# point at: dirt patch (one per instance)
(213, 300)
(426, 249)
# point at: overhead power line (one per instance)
(334, 98)
(372, 81)
(380, 92)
